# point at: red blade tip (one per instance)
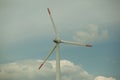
(48, 10)
(40, 66)
(88, 45)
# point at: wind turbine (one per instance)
(57, 42)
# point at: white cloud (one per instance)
(28, 70)
(104, 78)
(91, 33)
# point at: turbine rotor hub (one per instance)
(57, 41)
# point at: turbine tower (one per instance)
(57, 42)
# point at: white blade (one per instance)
(54, 26)
(76, 43)
(58, 62)
(51, 51)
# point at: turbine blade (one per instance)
(51, 51)
(54, 26)
(76, 43)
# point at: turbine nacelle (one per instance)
(57, 41)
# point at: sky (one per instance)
(26, 36)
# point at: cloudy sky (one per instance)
(26, 35)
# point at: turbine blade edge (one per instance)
(54, 26)
(76, 43)
(50, 52)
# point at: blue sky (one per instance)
(26, 33)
